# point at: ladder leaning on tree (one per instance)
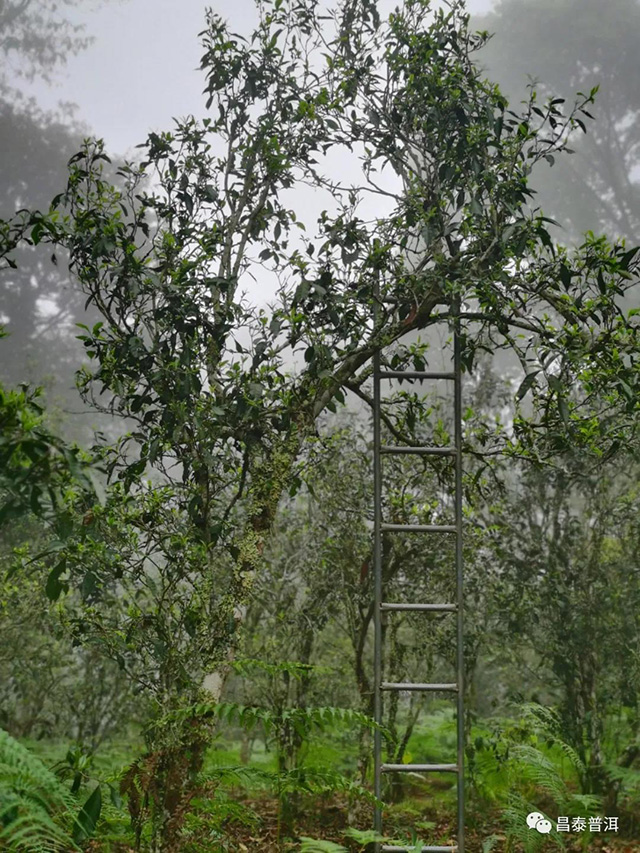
(380, 527)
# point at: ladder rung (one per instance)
(420, 451)
(428, 848)
(427, 608)
(419, 768)
(416, 374)
(397, 685)
(419, 528)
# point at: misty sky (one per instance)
(142, 69)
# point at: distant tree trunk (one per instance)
(398, 780)
(246, 747)
(583, 722)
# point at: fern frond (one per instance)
(20, 770)
(296, 670)
(237, 774)
(34, 805)
(589, 803)
(304, 720)
(541, 718)
(366, 836)
(314, 845)
(529, 771)
(536, 767)
(546, 721)
(35, 833)
(313, 780)
(515, 819)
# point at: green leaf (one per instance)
(526, 384)
(626, 259)
(275, 326)
(54, 585)
(88, 816)
(36, 233)
(114, 794)
(565, 276)
(555, 384)
(563, 407)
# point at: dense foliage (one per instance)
(221, 585)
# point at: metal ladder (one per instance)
(380, 527)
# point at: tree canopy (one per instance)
(224, 390)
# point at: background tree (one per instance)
(567, 46)
(568, 590)
(38, 302)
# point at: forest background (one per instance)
(186, 601)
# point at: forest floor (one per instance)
(247, 817)
(328, 819)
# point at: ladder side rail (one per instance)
(457, 366)
(377, 610)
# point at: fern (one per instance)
(489, 843)
(516, 769)
(366, 836)
(362, 837)
(294, 669)
(314, 845)
(312, 780)
(237, 775)
(517, 829)
(586, 803)
(37, 813)
(534, 766)
(308, 780)
(546, 721)
(304, 720)
(34, 806)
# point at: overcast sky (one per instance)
(142, 68)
